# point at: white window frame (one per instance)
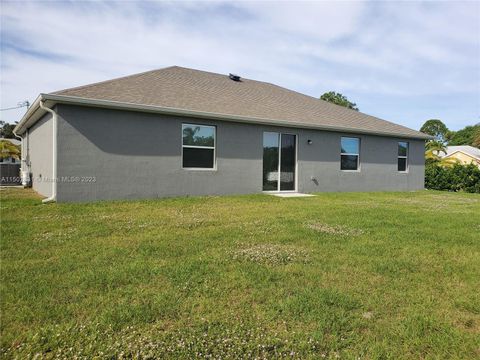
(214, 147)
(357, 155)
(403, 157)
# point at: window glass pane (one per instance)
(270, 161)
(402, 148)
(198, 135)
(198, 158)
(287, 166)
(349, 162)
(402, 164)
(350, 145)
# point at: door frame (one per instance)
(279, 162)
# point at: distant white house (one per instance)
(10, 160)
(465, 154)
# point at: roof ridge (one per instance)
(203, 71)
(241, 77)
(58, 92)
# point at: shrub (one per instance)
(456, 178)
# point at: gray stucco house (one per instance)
(178, 131)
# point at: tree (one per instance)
(6, 130)
(433, 154)
(466, 136)
(339, 99)
(9, 150)
(437, 129)
(476, 138)
(191, 136)
(434, 149)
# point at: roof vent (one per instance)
(234, 77)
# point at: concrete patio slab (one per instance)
(291, 195)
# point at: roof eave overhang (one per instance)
(35, 112)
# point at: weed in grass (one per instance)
(438, 202)
(334, 229)
(209, 340)
(271, 254)
(134, 225)
(257, 227)
(58, 236)
(367, 315)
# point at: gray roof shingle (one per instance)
(195, 90)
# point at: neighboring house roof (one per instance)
(189, 92)
(13, 141)
(466, 149)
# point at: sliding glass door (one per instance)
(279, 161)
(270, 161)
(287, 162)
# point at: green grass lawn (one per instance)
(349, 276)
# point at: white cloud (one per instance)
(320, 21)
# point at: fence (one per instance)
(10, 174)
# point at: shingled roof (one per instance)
(205, 92)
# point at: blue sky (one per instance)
(402, 61)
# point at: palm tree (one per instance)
(9, 150)
(433, 149)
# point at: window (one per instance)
(402, 156)
(350, 154)
(198, 146)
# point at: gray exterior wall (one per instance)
(38, 146)
(112, 154)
